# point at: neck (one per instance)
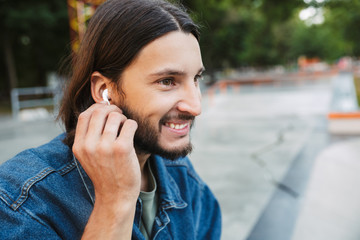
(145, 172)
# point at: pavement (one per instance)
(331, 206)
(267, 154)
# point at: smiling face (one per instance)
(162, 94)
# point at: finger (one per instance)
(82, 125)
(128, 131)
(84, 119)
(98, 119)
(113, 125)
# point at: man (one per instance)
(120, 171)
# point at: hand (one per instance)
(104, 146)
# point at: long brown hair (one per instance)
(116, 33)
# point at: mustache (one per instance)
(179, 116)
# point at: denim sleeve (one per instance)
(209, 223)
(20, 225)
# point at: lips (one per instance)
(176, 129)
(176, 125)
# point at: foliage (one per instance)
(269, 32)
(39, 34)
(234, 33)
(344, 19)
(241, 33)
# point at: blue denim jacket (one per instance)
(46, 194)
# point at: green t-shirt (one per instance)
(149, 206)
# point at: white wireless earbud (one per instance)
(105, 96)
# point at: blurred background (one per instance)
(279, 138)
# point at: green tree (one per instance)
(223, 27)
(314, 41)
(242, 33)
(344, 19)
(35, 37)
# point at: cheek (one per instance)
(156, 105)
(151, 104)
(156, 113)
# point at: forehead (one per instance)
(175, 50)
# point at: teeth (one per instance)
(176, 126)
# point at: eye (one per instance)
(167, 82)
(198, 78)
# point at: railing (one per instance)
(17, 104)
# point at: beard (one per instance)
(146, 139)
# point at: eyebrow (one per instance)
(169, 71)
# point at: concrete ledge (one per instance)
(344, 123)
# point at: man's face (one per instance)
(162, 94)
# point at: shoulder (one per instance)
(27, 168)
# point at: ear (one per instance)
(98, 84)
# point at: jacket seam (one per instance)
(25, 213)
(199, 214)
(62, 171)
(6, 201)
(14, 204)
(66, 169)
(28, 184)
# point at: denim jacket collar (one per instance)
(169, 192)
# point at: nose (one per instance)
(190, 100)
